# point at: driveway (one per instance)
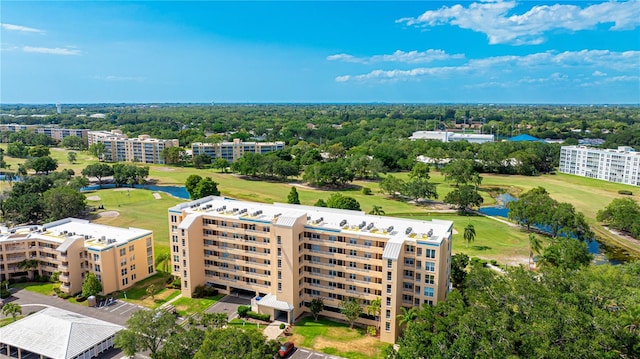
(229, 304)
(116, 313)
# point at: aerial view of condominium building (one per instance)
(621, 165)
(73, 247)
(285, 255)
(120, 148)
(231, 151)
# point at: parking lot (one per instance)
(229, 304)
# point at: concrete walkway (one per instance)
(273, 331)
(166, 304)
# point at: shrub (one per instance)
(202, 291)
(80, 299)
(282, 326)
(371, 330)
(258, 316)
(243, 310)
(625, 192)
(366, 191)
(54, 277)
(177, 284)
(493, 262)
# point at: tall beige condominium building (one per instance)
(73, 247)
(120, 148)
(285, 255)
(231, 151)
(59, 134)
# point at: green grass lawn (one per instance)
(9, 320)
(335, 338)
(186, 306)
(44, 288)
(239, 323)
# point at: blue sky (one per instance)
(583, 52)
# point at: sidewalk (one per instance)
(273, 331)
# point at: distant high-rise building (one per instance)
(621, 165)
(58, 108)
(231, 151)
(120, 148)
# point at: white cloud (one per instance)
(493, 19)
(549, 62)
(20, 28)
(410, 57)
(119, 78)
(52, 50)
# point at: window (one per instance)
(123, 271)
(96, 257)
(429, 279)
(279, 239)
(352, 288)
(430, 266)
(389, 276)
(353, 252)
(428, 292)
(123, 251)
(367, 266)
(367, 290)
(133, 277)
(407, 286)
(387, 326)
(388, 314)
(123, 262)
(408, 261)
(352, 265)
(125, 281)
(419, 252)
(388, 301)
(279, 287)
(353, 241)
(367, 243)
(430, 253)
(97, 268)
(389, 263)
(279, 263)
(352, 276)
(388, 288)
(131, 248)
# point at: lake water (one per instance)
(603, 253)
(176, 191)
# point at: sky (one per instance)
(496, 51)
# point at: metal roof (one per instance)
(392, 250)
(57, 333)
(271, 301)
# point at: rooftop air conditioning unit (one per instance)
(409, 230)
(390, 229)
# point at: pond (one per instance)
(176, 191)
(603, 253)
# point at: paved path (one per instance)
(229, 304)
(273, 331)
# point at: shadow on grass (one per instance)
(481, 248)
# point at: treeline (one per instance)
(122, 174)
(350, 125)
(592, 312)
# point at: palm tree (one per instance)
(29, 265)
(374, 308)
(469, 233)
(535, 245)
(407, 316)
(12, 309)
(151, 291)
(377, 210)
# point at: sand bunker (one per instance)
(93, 198)
(124, 189)
(109, 214)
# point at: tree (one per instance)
(184, 344)
(173, 155)
(73, 142)
(407, 316)
(392, 185)
(459, 171)
(235, 343)
(293, 196)
(199, 161)
(12, 309)
(206, 187)
(377, 211)
(62, 202)
(29, 265)
(375, 308)
(420, 170)
(464, 197)
(419, 188)
(163, 258)
(214, 320)
(351, 310)
(469, 233)
(39, 151)
(316, 306)
(336, 200)
(17, 149)
(459, 262)
(72, 157)
(147, 331)
(220, 164)
(44, 164)
(535, 246)
(151, 291)
(191, 183)
(98, 170)
(622, 214)
(91, 285)
(566, 253)
(320, 203)
(98, 149)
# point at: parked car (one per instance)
(286, 349)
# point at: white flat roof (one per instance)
(57, 333)
(342, 222)
(71, 228)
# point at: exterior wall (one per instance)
(298, 261)
(119, 148)
(231, 151)
(620, 166)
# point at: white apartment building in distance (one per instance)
(285, 255)
(73, 247)
(120, 148)
(620, 166)
(231, 151)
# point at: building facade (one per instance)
(620, 166)
(119, 148)
(59, 134)
(446, 136)
(231, 151)
(74, 247)
(285, 255)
